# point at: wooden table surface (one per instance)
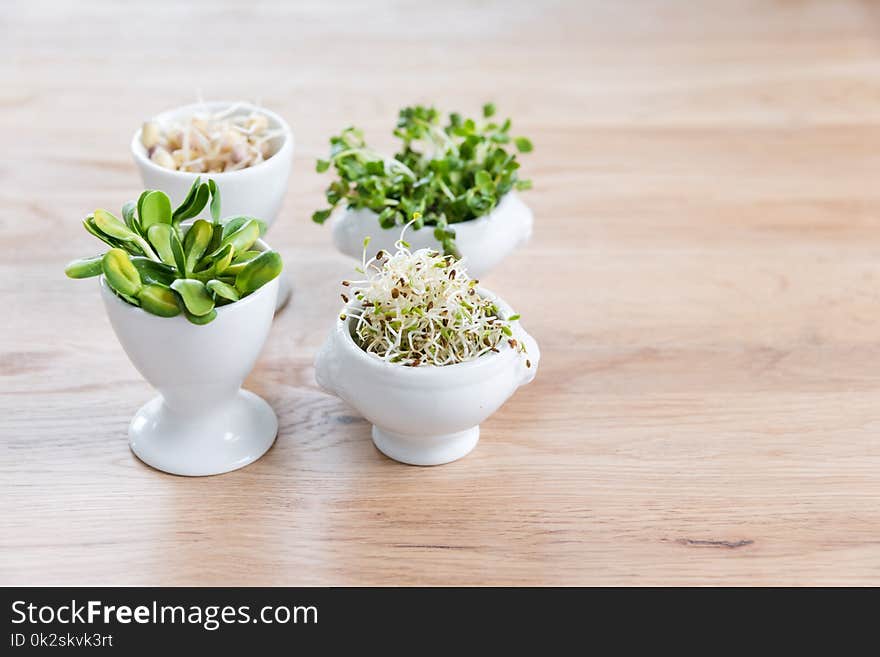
(704, 283)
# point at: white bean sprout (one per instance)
(208, 142)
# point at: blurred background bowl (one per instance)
(256, 191)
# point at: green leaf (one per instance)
(238, 262)
(85, 267)
(245, 256)
(188, 199)
(140, 208)
(205, 275)
(216, 237)
(321, 166)
(134, 301)
(158, 300)
(111, 226)
(388, 218)
(194, 295)
(243, 237)
(223, 258)
(154, 272)
(375, 168)
(155, 209)
(120, 273)
(523, 145)
(89, 225)
(232, 224)
(513, 318)
(488, 110)
(196, 242)
(159, 236)
(215, 199)
(230, 227)
(177, 253)
(129, 215)
(483, 179)
(201, 320)
(222, 290)
(196, 205)
(258, 272)
(320, 216)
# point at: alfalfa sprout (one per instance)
(421, 308)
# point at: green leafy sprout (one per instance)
(445, 174)
(167, 267)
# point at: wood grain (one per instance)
(703, 282)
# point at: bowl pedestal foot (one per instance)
(231, 436)
(426, 450)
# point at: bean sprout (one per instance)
(210, 142)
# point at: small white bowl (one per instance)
(483, 242)
(256, 191)
(202, 423)
(424, 415)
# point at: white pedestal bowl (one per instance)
(202, 422)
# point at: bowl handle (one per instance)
(327, 368)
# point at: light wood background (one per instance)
(704, 282)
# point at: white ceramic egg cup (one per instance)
(256, 191)
(202, 422)
(483, 242)
(424, 415)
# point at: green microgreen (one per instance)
(441, 174)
